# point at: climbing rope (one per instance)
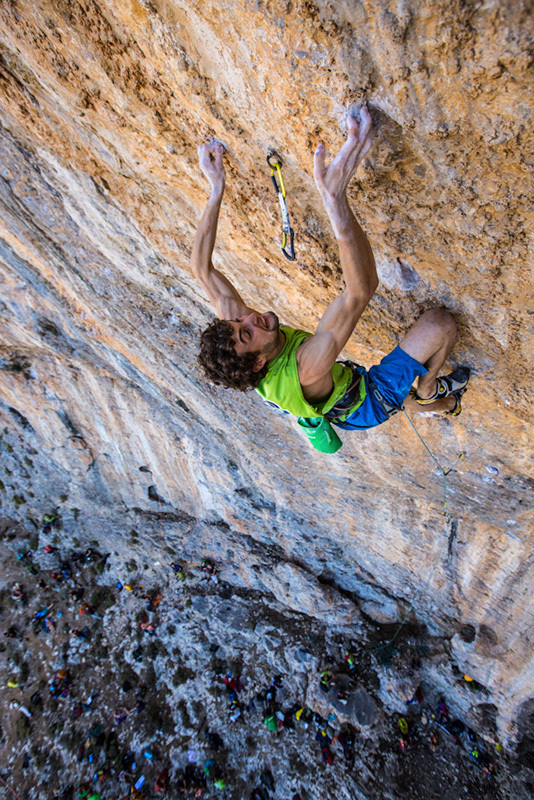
(13, 792)
(162, 542)
(407, 614)
(275, 163)
(445, 471)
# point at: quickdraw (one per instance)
(275, 163)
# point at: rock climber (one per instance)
(119, 715)
(162, 781)
(147, 627)
(84, 633)
(233, 683)
(76, 594)
(346, 741)
(257, 794)
(17, 593)
(178, 570)
(326, 680)
(297, 372)
(326, 753)
(215, 742)
(350, 658)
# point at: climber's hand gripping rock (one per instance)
(332, 180)
(210, 160)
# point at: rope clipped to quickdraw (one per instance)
(275, 162)
(444, 471)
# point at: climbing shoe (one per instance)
(454, 383)
(456, 410)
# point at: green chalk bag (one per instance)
(321, 434)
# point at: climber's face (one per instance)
(258, 333)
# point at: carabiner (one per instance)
(272, 154)
(275, 162)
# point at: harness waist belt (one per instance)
(351, 395)
(353, 392)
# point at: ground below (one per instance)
(120, 668)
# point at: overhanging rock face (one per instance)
(102, 106)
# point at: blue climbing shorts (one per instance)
(393, 377)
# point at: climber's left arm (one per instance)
(224, 296)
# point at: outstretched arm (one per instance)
(225, 297)
(317, 354)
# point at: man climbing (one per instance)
(298, 372)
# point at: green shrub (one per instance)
(102, 596)
(182, 674)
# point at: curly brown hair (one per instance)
(220, 362)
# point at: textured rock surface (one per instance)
(102, 105)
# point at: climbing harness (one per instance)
(275, 162)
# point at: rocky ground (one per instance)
(106, 700)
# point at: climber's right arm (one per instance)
(225, 297)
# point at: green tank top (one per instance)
(281, 388)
